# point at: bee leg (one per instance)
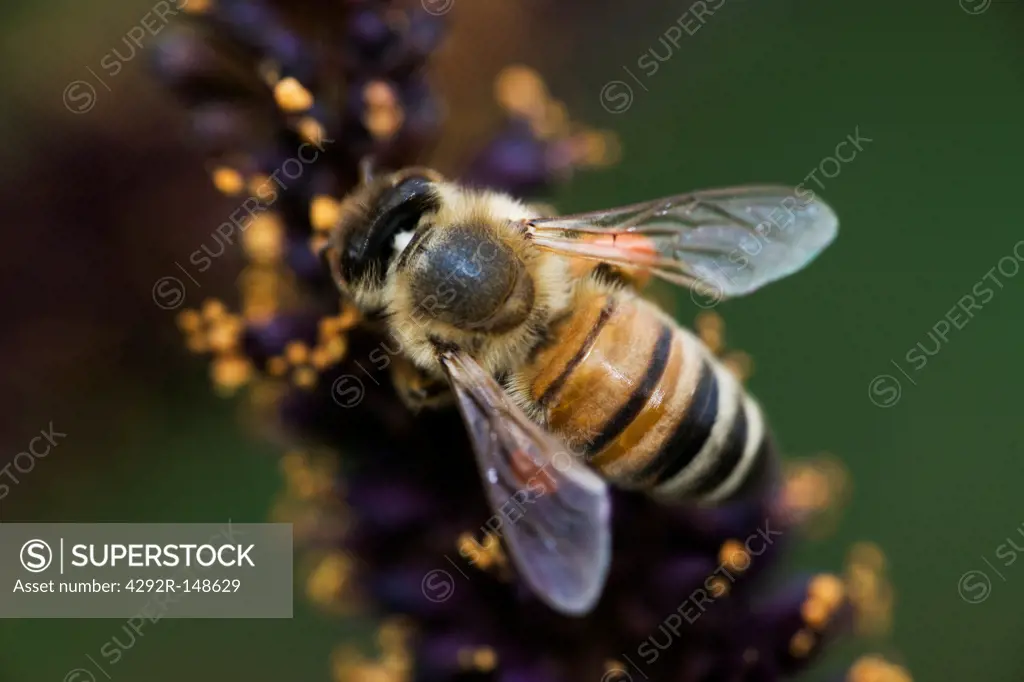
(416, 388)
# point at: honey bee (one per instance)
(533, 325)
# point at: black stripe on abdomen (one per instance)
(725, 461)
(690, 433)
(588, 343)
(614, 427)
(763, 470)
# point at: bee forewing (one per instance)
(555, 511)
(733, 240)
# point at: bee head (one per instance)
(377, 221)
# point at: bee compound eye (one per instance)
(397, 212)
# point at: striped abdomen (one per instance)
(647, 403)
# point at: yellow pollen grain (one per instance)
(400, 656)
(721, 587)
(327, 582)
(393, 634)
(601, 148)
(485, 659)
(587, 147)
(828, 588)
(276, 367)
(740, 364)
(863, 582)
(801, 643)
(838, 478)
(869, 589)
(228, 180)
(304, 377)
(261, 284)
(262, 187)
(482, 659)
(816, 613)
(378, 94)
(267, 223)
(556, 118)
(260, 306)
(335, 348)
(482, 555)
(294, 463)
(869, 554)
(711, 330)
(228, 373)
(399, 666)
(225, 334)
(383, 123)
(196, 6)
(291, 96)
(213, 310)
(263, 241)
(494, 551)
(329, 327)
(370, 672)
(469, 547)
(257, 281)
(343, 663)
(614, 671)
(319, 358)
(310, 129)
(384, 115)
(197, 343)
(324, 212)
(710, 321)
(520, 90)
(297, 352)
(552, 121)
(322, 484)
(734, 556)
(877, 669)
(806, 488)
(712, 339)
(304, 486)
(348, 318)
(263, 394)
(189, 320)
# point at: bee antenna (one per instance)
(329, 264)
(323, 251)
(367, 168)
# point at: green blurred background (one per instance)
(100, 205)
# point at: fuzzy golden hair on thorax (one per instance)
(471, 278)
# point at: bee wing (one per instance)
(561, 541)
(734, 240)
